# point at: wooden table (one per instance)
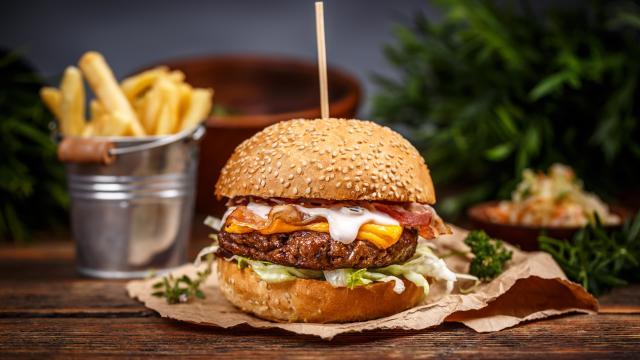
(47, 309)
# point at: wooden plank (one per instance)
(622, 300)
(562, 337)
(66, 297)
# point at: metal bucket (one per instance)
(134, 215)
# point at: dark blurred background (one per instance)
(132, 34)
(484, 89)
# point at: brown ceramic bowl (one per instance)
(257, 91)
(526, 237)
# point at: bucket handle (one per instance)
(193, 135)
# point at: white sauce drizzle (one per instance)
(259, 209)
(345, 222)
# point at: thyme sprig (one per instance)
(183, 289)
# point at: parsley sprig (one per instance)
(183, 288)
(597, 258)
(489, 255)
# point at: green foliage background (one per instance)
(32, 190)
(491, 90)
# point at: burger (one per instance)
(328, 220)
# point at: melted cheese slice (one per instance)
(382, 236)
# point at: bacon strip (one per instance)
(421, 217)
(405, 217)
(287, 213)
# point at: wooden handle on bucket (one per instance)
(85, 150)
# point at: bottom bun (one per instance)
(307, 300)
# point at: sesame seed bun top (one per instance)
(333, 159)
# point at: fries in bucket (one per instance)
(154, 102)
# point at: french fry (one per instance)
(152, 105)
(167, 122)
(97, 109)
(139, 106)
(176, 76)
(184, 91)
(89, 130)
(136, 85)
(52, 98)
(164, 120)
(107, 90)
(72, 102)
(199, 108)
(114, 124)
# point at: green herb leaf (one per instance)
(490, 256)
(174, 292)
(499, 152)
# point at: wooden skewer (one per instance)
(322, 61)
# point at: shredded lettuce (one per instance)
(213, 222)
(424, 263)
(351, 278)
(347, 277)
(274, 273)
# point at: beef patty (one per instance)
(316, 250)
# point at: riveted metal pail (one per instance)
(134, 214)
